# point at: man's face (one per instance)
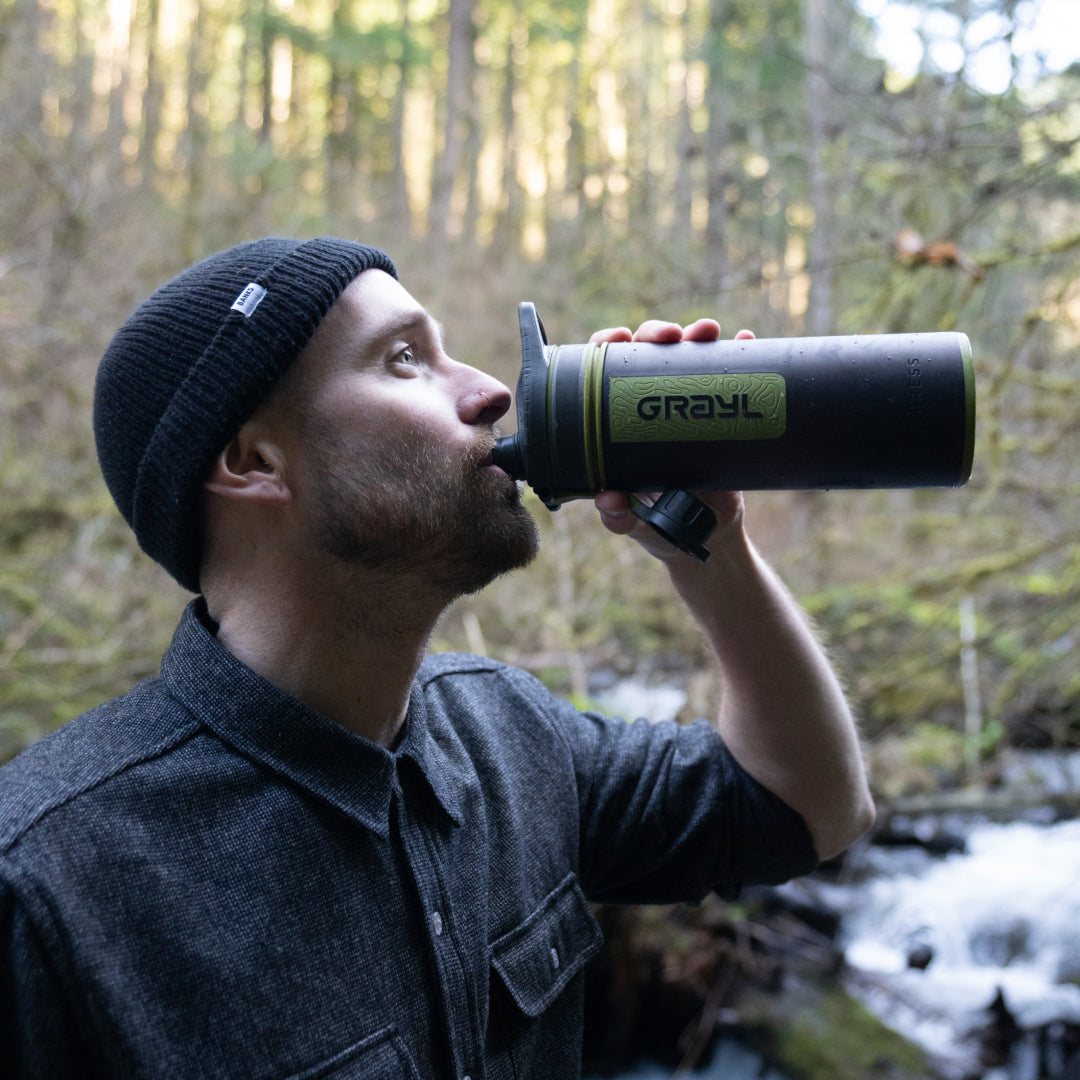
(390, 460)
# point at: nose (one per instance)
(485, 399)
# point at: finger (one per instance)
(702, 330)
(745, 335)
(659, 332)
(615, 333)
(615, 511)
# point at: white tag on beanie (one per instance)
(249, 299)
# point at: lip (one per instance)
(490, 466)
(486, 464)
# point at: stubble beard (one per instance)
(424, 514)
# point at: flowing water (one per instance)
(998, 920)
(938, 946)
(730, 1061)
(933, 943)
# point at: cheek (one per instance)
(387, 409)
(386, 448)
(428, 435)
(386, 428)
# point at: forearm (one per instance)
(783, 712)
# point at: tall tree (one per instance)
(153, 97)
(342, 129)
(819, 108)
(718, 150)
(196, 131)
(399, 187)
(457, 116)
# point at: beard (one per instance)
(413, 509)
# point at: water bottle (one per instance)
(858, 411)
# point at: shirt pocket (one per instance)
(382, 1056)
(537, 959)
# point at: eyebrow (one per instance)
(410, 321)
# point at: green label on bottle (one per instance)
(697, 408)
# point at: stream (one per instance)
(938, 947)
(967, 944)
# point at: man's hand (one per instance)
(614, 506)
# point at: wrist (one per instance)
(733, 562)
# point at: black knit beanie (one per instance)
(191, 364)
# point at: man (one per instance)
(308, 849)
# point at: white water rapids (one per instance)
(996, 921)
(1001, 917)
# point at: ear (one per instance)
(249, 468)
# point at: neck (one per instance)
(348, 649)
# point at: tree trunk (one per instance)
(196, 135)
(458, 94)
(340, 138)
(153, 96)
(508, 223)
(400, 211)
(266, 54)
(687, 153)
(819, 315)
(716, 156)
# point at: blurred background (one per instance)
(793, 166)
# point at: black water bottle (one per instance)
(861, 411)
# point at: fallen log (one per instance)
(987, 802)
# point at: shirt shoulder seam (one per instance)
(177, 737)
(440, 665)
(443, 665)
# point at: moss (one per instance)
(842, 1040)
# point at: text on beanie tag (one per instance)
(249, 299)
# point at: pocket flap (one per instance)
(383, 1055)
(537, 959)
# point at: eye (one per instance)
(405, 357)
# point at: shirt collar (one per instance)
(267, 725)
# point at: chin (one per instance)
(511, 557)
(504, 541)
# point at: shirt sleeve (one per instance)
(668, 814)
(38, 1035)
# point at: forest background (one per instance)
(610, 160)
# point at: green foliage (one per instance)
(348, 45)
(842, 1040)
(611, 161)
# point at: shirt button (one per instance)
(436, 925)
(555, 959)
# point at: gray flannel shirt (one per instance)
(205, 878)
